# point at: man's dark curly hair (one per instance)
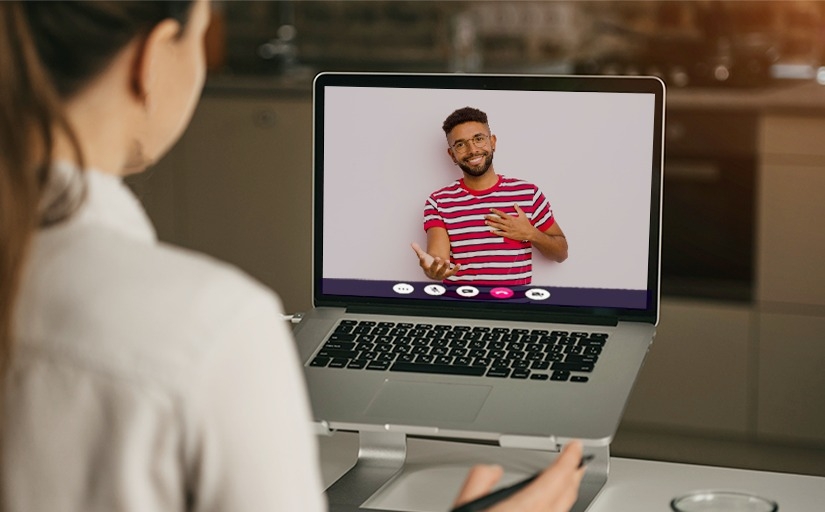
(461, 116)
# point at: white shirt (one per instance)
(150, 378)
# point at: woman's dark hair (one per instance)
(48, 52)
(461, 116)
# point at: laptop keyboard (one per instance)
(462, 350)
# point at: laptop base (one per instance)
(381, 457)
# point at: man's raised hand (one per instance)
(433, 266)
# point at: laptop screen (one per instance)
(543, 192)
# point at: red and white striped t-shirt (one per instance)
(487, 258)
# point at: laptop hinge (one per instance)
(481, 314)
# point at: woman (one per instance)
(138, 376)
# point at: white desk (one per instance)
(435, 470)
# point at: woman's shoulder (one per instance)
(106, 299)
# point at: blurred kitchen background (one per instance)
(735, 43)
(735, 376)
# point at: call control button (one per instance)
(467, 291)
(501, 293)
(537, 294)
(403, 288)
(435, 289)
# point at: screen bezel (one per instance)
(557, 83)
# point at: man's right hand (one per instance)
(433, 266)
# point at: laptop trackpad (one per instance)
(405, 400)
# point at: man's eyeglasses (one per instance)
(478, 140)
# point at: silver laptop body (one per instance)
(594, 144)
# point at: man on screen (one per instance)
(482, 228)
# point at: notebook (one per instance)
(521, 346)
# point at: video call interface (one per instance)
(582, 161)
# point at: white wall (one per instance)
(588, 152)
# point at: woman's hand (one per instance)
(554, 490)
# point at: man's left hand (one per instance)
(516, 227)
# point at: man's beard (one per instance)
(480, 169)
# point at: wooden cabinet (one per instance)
(791, 377)
(696, 374)
(238, 186)
(791, 237)
(791, 279)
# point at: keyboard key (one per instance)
(573, 358)
(320, 361)
(348, 322)
(559, 333)
(598, 335)
(386, 324)
(499, 372)
(425, 358)
(578, 378)
(560, 376)
(438, 368)
(573, 367)
(338, 363)
(553, 358)
(423, 326)
(540, 365)
(443, 360)
(520, 374)
(367, 322)
(338, 345)
(462, 361)
(405, 326)
(346, 354)
(341, 336)
(539, 376)
(442, 328)
(378, 365)
(357, 364)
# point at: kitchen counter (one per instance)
(791, 97)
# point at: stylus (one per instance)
(491, 499)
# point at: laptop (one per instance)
(529, 363)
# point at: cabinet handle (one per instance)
(265, 118)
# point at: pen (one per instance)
(491, 499)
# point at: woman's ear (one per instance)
(151, 55)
